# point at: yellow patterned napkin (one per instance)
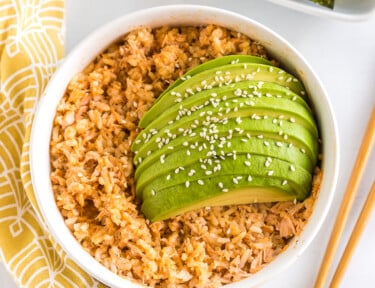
(31, 45)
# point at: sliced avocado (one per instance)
(218, 77)
(225, 134)
(232, 166)
(225, 60)
(275, 98)
(168, 203)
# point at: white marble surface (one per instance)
(343, 55)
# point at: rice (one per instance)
(92, 170)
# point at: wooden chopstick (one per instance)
(347, 201)
(354, 238)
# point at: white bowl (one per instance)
(177, 15)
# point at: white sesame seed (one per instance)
(187, 184)
(235, 180)
(266, 143)
(247, 163)
(249, 178)
(279, 144)
(284, 182)
(153, 192)
(270, 173)
(225, 190)
(191, 172)
(292, 168)
(292, 120)
(168, 177)
(162, 159)
(200, 182)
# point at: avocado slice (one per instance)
(233, 185)
(224, 60)
(162, 205)
(231, 166)
(218, 77)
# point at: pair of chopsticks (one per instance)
(346, 204)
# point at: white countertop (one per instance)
(343, 55)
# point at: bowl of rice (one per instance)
(82, 164)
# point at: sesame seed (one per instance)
(235, 180)
(303, 150)
(279, 144)
(200, 182)
(270, 173)
(221, 185)
(292, 120)
(191, 172)
(247, 163)
(187, 184)
(294, 98)
(292, 168)
(248, 156)
(162, 159)
(284, 182)
(153, 192)
(266, 143)
(249, 178)
(225, 190)
(168, 177)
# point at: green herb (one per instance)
(326, 3)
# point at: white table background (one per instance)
(343, 55)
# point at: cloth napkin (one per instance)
(31, 46)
